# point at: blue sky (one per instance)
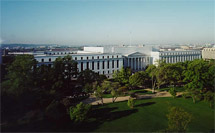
(108, 22)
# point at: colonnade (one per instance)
(137, 63)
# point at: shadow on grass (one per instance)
(99, 116)
(145, 104)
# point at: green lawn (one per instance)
(148, 115)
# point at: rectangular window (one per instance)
(108, 57)
(87, 65)
(112, 63)
(112, 56)
(81, 58)
(103, 65)
(108, 72)
(82, 66)
(93, 65)
(117, 63)
(103, 72)
(92, 57)
(87, 58)
(97, 57)
(75, 58)
(98, 65)
(42, 60)
(108, 64)
(103, 57)
(50, 60)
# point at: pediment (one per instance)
(135, 54)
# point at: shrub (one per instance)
(131, 102)
(172, 91)
(80, 112)
(178, 119)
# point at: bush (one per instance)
(178, 119)
(172, 91)
(80, 112)
(131, 103)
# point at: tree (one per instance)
(199, 75)
(87, 76)
(209, 97)
(122, 76)
(136, 79)
(178, 119)
(131, 102)
(64, 69)
(151, 71)
(194, 93)
(115, 91)
(172, 91)
(79, 113)
(99, 92)
(21, 75)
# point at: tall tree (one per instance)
(64, 70)
(122, 76)
(151, 71)
(21, 74)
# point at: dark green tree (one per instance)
(122, 76)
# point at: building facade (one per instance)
(175, 56)
(208, 53)
(105, 64)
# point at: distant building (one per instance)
(175, 56)
(208, 53)
(100, 63)
(108, 59)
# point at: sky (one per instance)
(107, 22)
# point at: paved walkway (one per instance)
(93, 101)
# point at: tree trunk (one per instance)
(102, 101)
(194, 101)
(114, 99)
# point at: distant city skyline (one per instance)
(74, 22)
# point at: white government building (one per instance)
(107, 59)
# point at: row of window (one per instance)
(57, 53)
(98, 65)
(179, 59)
(181, 53)
(209, 49)
(42, 60)
(103, 57)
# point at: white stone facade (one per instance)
(175, 56)
(101, 63)
(208, 53)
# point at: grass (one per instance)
(148, 115)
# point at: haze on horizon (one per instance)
(108, 22)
